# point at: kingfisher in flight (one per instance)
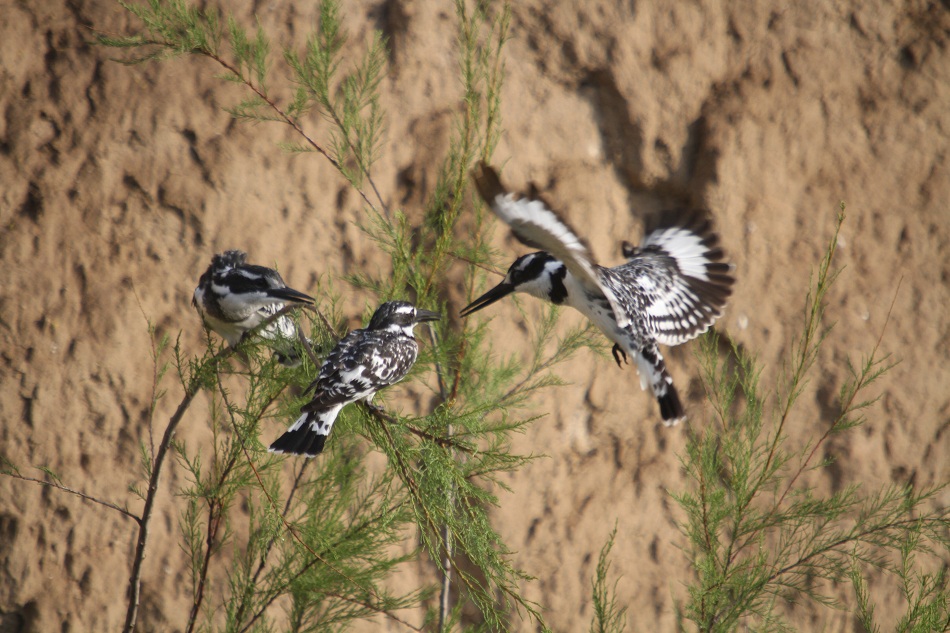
(362, 363)
(233, 297)
(672, 288)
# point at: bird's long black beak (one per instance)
(426, 315)
(289, 294)
(500, 291)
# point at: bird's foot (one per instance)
(618, 353)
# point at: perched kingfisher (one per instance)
(233, 297)
(672, 288)
(362, 363)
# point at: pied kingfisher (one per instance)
(672, 288)
(233, 297)
(362, 363)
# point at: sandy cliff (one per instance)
(118, 183)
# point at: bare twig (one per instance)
(136, 577)
(305, 342)
(78, 493)
(324, 319)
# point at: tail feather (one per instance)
(303, 441)
(652, 369)
(671, 408)
(307, 435)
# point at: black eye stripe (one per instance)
(528, 267)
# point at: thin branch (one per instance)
(155, 375)
(283, 117)
(806, 354)
(409, 479)
(324, 319)
(359, 160)
(270, 545)
(215, 517)
(307, 348)
(299, 573)
(78, 493)
(851, 538)
(446, 442)
(445, 596)
(486, 267)
(214, 524)
(135, 579)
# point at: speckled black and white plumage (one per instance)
(362, 363)
(233, 297)
(672, 288)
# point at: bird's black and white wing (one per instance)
(362, 363)
(679, 275)
(537, 226)
(233, 297)
(247, 284)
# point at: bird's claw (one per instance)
(618, 353)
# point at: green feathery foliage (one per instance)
(608, 615)
(758, 534)
(325, 542)
(308, 545)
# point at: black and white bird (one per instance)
(362, 363)
(233, 297)
(672, 288)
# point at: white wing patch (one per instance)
(682, 280)
(685, 247)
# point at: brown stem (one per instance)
(78, 493)
(135, 579)
(214, 523)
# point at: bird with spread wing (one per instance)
(672, 288)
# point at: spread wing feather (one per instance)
(679, 276)
(537, 226)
